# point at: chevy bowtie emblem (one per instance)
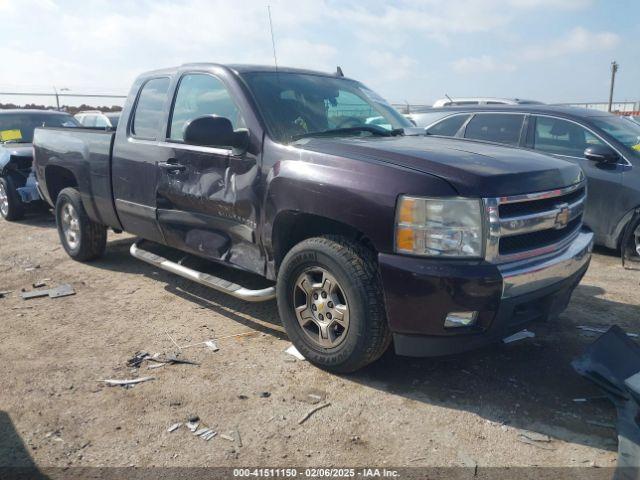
(562, 218)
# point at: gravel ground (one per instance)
(463, 410)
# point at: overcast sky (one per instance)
(414, 50)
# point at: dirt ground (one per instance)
(464, 410)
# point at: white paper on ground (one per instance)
(293, 351)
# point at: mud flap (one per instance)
(613, 363)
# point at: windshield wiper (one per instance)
(373, 129)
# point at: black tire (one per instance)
(356, 270)
(92, 236)
(15, 207)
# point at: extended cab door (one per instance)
(206, 197)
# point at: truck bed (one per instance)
(86, 153)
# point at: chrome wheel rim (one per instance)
(70, 226)
(4, 200)
(321, 307)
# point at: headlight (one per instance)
(439, 227)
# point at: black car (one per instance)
(606, 146)
(16, 156)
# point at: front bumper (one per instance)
(419, 293)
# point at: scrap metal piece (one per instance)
(113, 383)
(63, 290)
(201, 431)
(34, 294)
(174, 427)
(209, 435)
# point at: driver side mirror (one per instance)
(214, 131)
(601, 154)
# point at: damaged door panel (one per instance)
(206, 196)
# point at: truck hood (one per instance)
(474, 169)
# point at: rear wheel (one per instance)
(11, 207)
(82, 238)
(330, 302)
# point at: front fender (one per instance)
(358, 193)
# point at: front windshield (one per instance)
(624, 131)
(295, 104)
(19, 127)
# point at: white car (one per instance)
(98, 119)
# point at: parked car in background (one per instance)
(16, 156)
(466, 101)
(606, 146)
(98, 119)
(634, 118)
(371, 231)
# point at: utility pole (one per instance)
(614, 69)
(57, 98)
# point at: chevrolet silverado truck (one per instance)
(367, 231)
(17, 182)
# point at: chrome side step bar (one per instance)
(205, 279)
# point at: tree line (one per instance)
(65, 108)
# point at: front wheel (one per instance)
(11, 207)
(82, 238)
(330, 302)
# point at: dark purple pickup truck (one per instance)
(367, 231)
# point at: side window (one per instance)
(200, 94)
(560, 137)
(448, 127)
(148, 115)
(101, 121)
(495, 127)
(89, 121)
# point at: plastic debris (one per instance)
(174, 427)
(133, 381)
(521, 335)
(212, 345)
(192, 426)
(41, 283)
(312, 411)
(587, 328)
(293, 351)
(226, 437)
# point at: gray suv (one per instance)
(606, 146)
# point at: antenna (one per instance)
(448, 98)
(339, 72)
(273, 42)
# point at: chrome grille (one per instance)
(534, 224)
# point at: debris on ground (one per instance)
(128, 382)
(41, 283)
(601, 424)
(238, 437)
(4, 293)
(523, 439)
(312, 411)
(137, 359)
(521, 335)
(535, 436)
(160, 360)
(63, 290)
(174, 427)
(192, 426)
(226, 437)
(264, 394)
(612, 362)
(212, 345)
(293, 351)
(586, 328)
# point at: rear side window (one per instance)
(200, 94)
(89, 121)
(553, 135)
(495, 127)
(448, 127)
(148, 114)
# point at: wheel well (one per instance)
(58, 178)
(291, 228)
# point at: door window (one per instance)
(495, 127)
(200, 94)
(560, 137)
(101, 121)
(89, 121)
(148, 115)
(448, 127)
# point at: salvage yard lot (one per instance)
(463, 410)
